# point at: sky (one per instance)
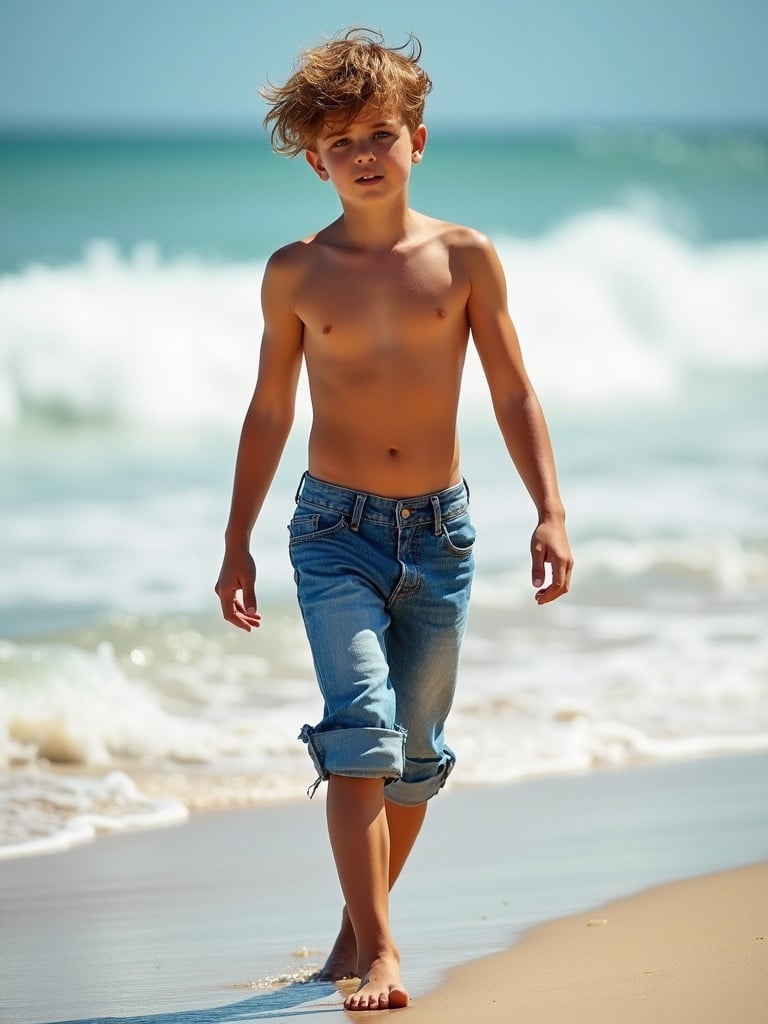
(531, 64)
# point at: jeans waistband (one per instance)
(419, 510)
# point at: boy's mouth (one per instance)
(368, 179)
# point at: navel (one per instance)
(327, 329)
(393, 452)
(442, 314)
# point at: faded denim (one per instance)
(383, 586)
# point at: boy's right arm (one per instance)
(265, 430)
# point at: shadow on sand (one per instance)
(282, 1004)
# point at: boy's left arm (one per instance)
(518, 414)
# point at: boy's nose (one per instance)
(365, 156)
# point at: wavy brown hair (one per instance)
(335, 80)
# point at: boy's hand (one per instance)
(236, 587)
(549, 544)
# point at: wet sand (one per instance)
(189, 924)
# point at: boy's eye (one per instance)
(341, 143)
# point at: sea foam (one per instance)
(611, 307)
(46, 813)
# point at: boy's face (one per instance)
(369, 159)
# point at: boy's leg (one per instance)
(357, 825)
(423, 643)
(403, 825)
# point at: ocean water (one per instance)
(129, 328)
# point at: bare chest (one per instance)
(369, 306)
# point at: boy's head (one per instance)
(334, 81)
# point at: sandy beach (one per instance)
(193, 923)
(695, 950)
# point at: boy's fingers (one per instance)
(537, 573)
(245, 608)
(241, 614)
(248, 614)
(229, 607)
(560, 574)
(249, 600)
(561, 581)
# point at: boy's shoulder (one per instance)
(288, 266)
(429, 230)
(432, 230)
(295, 258)
(473, 251)
(469, 250)
(292, 254)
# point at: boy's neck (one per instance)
(378, 229)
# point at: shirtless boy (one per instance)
(380, 306)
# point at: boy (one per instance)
(379, 305)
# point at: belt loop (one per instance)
(466, 487)
(357, 511)
(438, 516)
(301, 483)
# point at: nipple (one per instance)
(327, 329)
(441, 313)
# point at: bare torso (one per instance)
(384, 338)
(384, 332)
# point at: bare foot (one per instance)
(342, 960)
(341, 964)
(381, 987)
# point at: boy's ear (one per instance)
(314, 161)
(418, 142)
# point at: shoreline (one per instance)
(174, 922)
(152, 799)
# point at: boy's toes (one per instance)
(398, 997)
(393, 999)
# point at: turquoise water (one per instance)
(129, 327)
(233, 199)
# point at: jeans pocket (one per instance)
(459, 535)
(311, 526)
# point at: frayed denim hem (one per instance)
(361, 753)
(421, 780)
(369, 753)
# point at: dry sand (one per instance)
(692, 951)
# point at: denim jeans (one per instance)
(383, 586)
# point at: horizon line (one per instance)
(181, 129)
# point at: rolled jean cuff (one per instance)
(421, 780)
(361, 753)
